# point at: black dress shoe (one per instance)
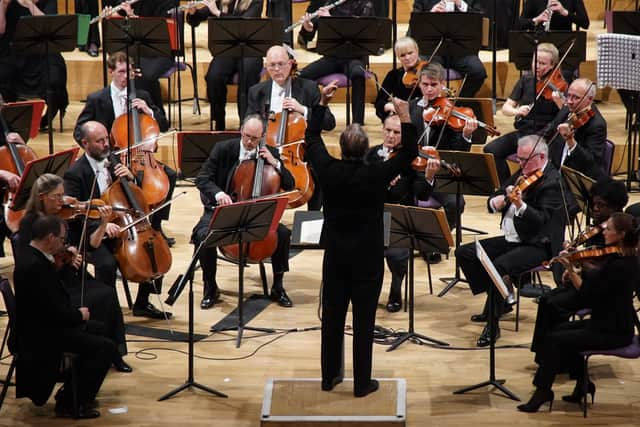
(209, 298)
(373, 386)
(281, 297)
(170, 240)
(149, 310)
(577, 395)
(432, 257)
(394, 306)
(482, 317)
(121, 366)
(84, 411)
(539, 398)
(328, 385)
(485, 339)
(92, 50)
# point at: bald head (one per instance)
(278, 64)
(95, 140)
(580, 94)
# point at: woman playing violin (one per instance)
(401, 82)
(607, 289)
(530, 114)
(47, 199)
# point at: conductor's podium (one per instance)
(301, 402)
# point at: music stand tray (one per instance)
(460, 32)
(149, 37)
(522, 45)
(243, 37)
(194, 148)
(352, 37)
(23, 117)
(423, 229)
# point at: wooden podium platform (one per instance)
(301, 402)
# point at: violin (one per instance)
(590, 253)
(577, 120)
(523, 183)
(554, 82)
(442, 110)
(587, 234)
(427, 152)
(72, 208)
(63, 257)
(411, 76)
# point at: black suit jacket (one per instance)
(451, 139)
(421, 6)
(303, 90)
(148, 8)
(254, 10)
(99, 107)
(44, 317)
(588, 155)
(354, 196)
(577, 15)
(217, 170)
(79, 178)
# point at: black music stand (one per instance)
(241, 223)
(499, 285)
(460, 33)
(478, 177)
(423, 229)
(45, 35)
(352, 37)
(243, 38)
(580, 186)
(19, 119)
(194, 148)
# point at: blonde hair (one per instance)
(45, 184)
(551, 50)
(405, 43)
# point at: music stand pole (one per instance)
(451, 282)
(174, 293)
(196, 98)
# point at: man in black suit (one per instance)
(469, 65)
(353, 239)
(105, 105)
(578, 145)
(213, 182)
(532, 224)
(88, 178)
(48, 325)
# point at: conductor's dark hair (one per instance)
(354, 142)
(613, 192)
(44, 225)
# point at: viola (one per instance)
(590, 253)
(73, 208)
(442, 110)
(429, 152)
(525, 182)
(411, 76)
(577, 120)
(587, 234)
(155, 183)
(554, 82)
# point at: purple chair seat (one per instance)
(452, 74)
(342, 79)
(430, 203)
(177, 66)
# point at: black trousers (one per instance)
(469, 65)
(90, 7)
(338, 290)
(501, 148)
(562, 348)
(397, 261)
(353, 68)
(163, 214)
(448, 202)
(209, 256)
(509, 259)
(554, 308)
(152, 69)
(220, 72)
(95, 353)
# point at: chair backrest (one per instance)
(10, 304)
(607, 155)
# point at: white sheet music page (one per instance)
(491, 269)
(310, 231)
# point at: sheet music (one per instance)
(491, 270)
(310, 231)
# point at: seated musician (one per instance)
(581, 132)
(531, 114)
(47, 199)
(106, 105)
(88, 178)
(532, 225)
(604, 284)
(404, 189)
(352, 67)
(469, 65)
(49, 324)
(212, 181)
(393, 84)
(222, 68)
(432, 84)
(91, 8)
(26, 75)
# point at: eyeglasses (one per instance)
(252, 138)
(274, 65)
(526, 159)
(58, 197)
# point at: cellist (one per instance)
(212, 181)
(106, 104)
(98, 164)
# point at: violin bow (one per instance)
(82, 249)
(556, 68)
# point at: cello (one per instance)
(143, 254)
(285, 130)
(150, 173)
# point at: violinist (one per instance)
(402, 81)
(432, 83)
(531, 112)
(98, 166)
(212, 181)
(410, 185)
(47, 199)
(105, 105)
(469, 65)
(352, 67)
(581, 132)
(221, 69)
(532, 225)
(606, 287)
(49, 325)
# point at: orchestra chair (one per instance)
(177, 67)
(68, 366)
(343, 81)
(234, 80)
(534, 289)
(607, 156)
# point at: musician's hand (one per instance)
(224, 199)
(292, 104)
(324, 11)
(515, 195)
(306, 22)
(10, 178)
(327, 93)
(394, 181)
(565, 131)
(543, 17)
(105, 213)
(128, 9)
(498, 202)
(433, 166)
(389, 108)
(402, 108)
(268, 157)
(557, 7)
(141, 105)
(523, 110)
(112, 230)
(85, 313)
(213, 7)
(76, 262)
(469, 127)
(439, 7)
(121, 171)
